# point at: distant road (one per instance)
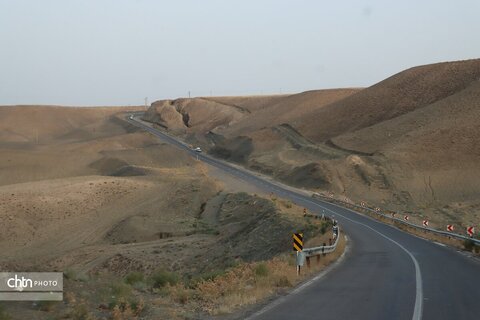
(386, 275)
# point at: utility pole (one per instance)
(146, 102)
(188, 94)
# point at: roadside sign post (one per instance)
(298, 247)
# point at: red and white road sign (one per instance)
(450, 227)
(470, 231)
(425, 223)
(405, 218)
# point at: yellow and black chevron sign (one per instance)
(297, 241)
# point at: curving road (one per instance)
(387, 274)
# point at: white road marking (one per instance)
(417, 311)
(281, 300)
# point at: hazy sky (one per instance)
(116, 52)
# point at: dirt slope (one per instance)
(194, 115)
(402, 93)
(90, 195)
(407, 142)
(291, 109)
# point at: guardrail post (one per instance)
(308, 262)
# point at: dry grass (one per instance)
(249, 283)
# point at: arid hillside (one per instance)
(405, 143)
(84, 192)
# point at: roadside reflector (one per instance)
(470, 231)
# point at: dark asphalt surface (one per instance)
(387, 274)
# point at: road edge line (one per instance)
(304, 285)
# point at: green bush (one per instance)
(121, 290)
(70, 274)
(161, 278)
(261, 270)
(134, 277)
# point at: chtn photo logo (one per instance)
(31, 286)
(18, 283)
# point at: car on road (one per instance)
(131, 117)
(197, 149)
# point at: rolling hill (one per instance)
(406, 143)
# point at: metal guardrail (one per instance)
(379, 213)
(310, 252)
(307, 253)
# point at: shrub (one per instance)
(4, 315)
(323, 229)
(46, 305)
(468, 244)
(70, 274)
(119, 292)
(123, 303)
(134, 277)
(182, 295)
(283, 282)
(210, 275)
(161, 278)
(80, 312)
(261, 270)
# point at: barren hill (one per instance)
(44, 124)
(291, 109)
(407, 142)
(404, 92)
(85, 192)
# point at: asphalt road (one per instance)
(387, 274)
